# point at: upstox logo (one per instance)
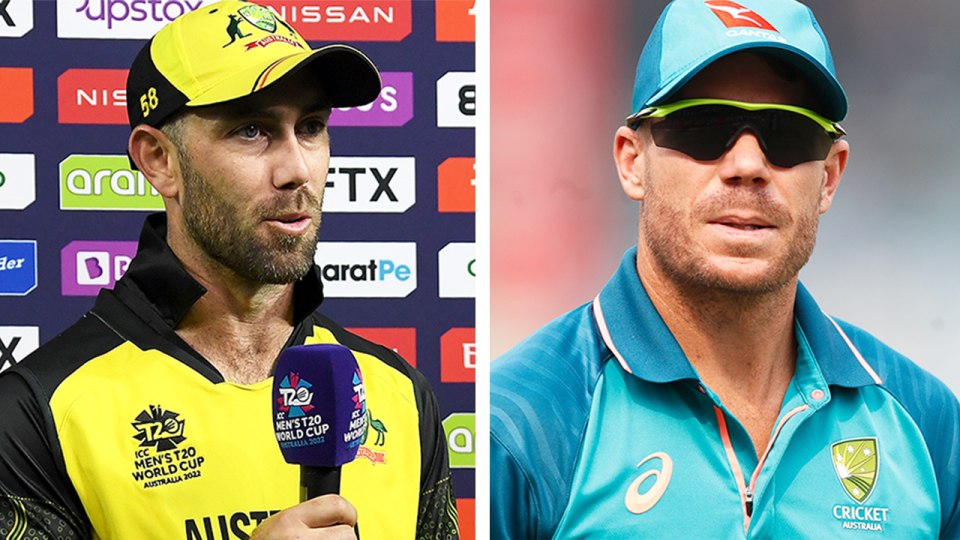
(458, 276)
(18, 181)
(88, 266)
(367, 269)
(16, 17)
(346, 20)
(370, 184)
(92, 96)
(119, 19)
(90, 182)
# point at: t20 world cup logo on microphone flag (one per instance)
(319, 405)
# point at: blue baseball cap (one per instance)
(691, 34)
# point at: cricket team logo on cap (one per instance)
(856, 462)
(734, 15)
(260, 17)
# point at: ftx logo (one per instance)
(16, 17)
(16, 342)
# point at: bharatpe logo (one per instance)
(119, 19)
(158, 428)
(857, 463)
(90, 182)
(295, 396)
(367, 269)
(88, 266)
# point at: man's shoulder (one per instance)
(568, 346)
(897, 373)
(547, 380)
(57, 359)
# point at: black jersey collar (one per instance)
(158, 276)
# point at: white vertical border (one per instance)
(482, 439)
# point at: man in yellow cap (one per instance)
(150, 417)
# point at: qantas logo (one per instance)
(638, 503)
(734, 15)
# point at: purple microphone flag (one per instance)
(319, 405)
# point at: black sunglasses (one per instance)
(705, 129)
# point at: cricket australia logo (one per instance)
(857, 464)
(260, 17)
(295, 396)
(159, 428)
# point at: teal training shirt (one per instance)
(601, 428)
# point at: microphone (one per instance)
(319, 412)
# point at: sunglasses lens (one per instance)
(705, 132)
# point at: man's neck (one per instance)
(742, 346)
(238, 326)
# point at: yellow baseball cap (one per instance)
(231, 49)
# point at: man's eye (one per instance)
(251, 131)
(312, 127)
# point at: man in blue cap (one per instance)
(703, 393)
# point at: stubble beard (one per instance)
(676, 254)
(228, 235)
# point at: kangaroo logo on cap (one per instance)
(733, 15)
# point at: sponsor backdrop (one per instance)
(397, 243)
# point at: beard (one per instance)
(228, 231)
(667, 235)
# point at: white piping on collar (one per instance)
(866, 366)
(605, 333)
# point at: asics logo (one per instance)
(639, 503)
(733, 14)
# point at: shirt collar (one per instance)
(156, 275)
(637, 336)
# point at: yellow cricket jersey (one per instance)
(121, 431)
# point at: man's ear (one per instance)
(157, 158)
(628, 146)
(833, 169)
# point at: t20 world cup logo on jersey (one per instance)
(857, 462)
(295, 396)
(159, 428)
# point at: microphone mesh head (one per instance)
(319, 405)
